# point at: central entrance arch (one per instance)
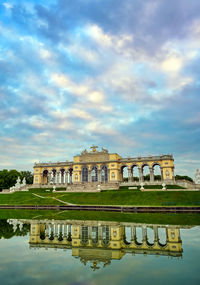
(84, 174)
(104, 173)
(94, 174)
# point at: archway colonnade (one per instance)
(87, 174)
(140, 170)
(56, 177)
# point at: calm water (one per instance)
(91, 252)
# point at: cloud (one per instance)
(121, 74)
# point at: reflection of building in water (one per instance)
(103, 241)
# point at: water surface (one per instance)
(94, 252)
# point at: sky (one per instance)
(123, 75)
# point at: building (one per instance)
(95, 167)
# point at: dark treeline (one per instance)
(6, 230)
(8, 177)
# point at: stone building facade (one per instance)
(101, 167)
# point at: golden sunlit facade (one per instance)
(99, 167)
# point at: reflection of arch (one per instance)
(105, 235)
(84, 174)
(94, 174)
(42, 232)
(84, 237)
(127, 235)
(104, 173)
(94, 236)
(150, 237)
(124, 172)
(138, 236)
(162, 241)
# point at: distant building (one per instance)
(102, 168)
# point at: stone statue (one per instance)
(17, 185)
(197, 176)
(142, 186)
(99, 187)
(23, 182)
(104, 150)
(84, 151)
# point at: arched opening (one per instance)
(124, 173)
(146, 172)
(54, 176)
(45, 177)
(84, 174)
(94, 174)
(104, 173)
(157, 172)
(62, 173)
(70, 175)
(135, 173)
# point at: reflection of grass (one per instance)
(113, 197)
(148, 218)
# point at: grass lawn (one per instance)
(148, 218)
(112, 197)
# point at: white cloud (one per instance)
(172, 64)
(7, 5)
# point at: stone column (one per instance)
(156, 239)
(66, 177)
(47, 231)
(99, 175)
(54, 177)
(144, 234)
(89, 176)
(133, 233)
(100, 233)
(58, 177)
(65, 231)
(151, 175)
(162, 178)
(141, 178)
(56, 230)
(62, 177)
(129, 174)
(49, 178)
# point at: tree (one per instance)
(8, 178)
(183, 177)
(28, 175)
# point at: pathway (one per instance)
(61, 201)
